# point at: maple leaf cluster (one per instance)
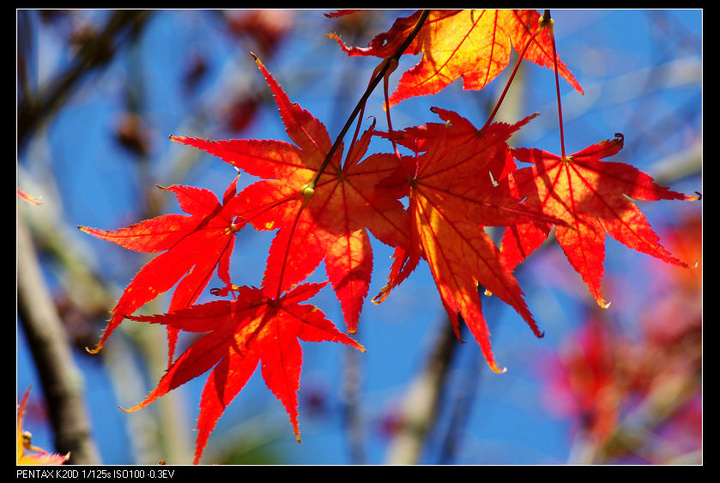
(323, 203)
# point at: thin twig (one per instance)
(33, 112)
(371, 87)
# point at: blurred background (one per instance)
(100, 91)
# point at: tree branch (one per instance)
(59, 376)
(33, 111)
(420, 409)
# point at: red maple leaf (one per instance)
(193, 247)
(453, 195)
(472, 44)
(592, 197)
(255, 326)
(323, 209)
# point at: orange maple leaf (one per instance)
(453, 195)
(472, 44)
(194, 245)
(323, 211)
(255, 326)
(592, 197)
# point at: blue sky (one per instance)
(76, 162)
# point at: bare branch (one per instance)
(60, 378)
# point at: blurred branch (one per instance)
(420, 409)
(351, 406)
(33, 111)
(682, 164)
(60, 378)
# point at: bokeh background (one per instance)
(98, 93)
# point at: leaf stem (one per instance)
(512, 75)
(380, 74)
(549, 23)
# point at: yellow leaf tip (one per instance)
(95, 350)
(257, 60)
